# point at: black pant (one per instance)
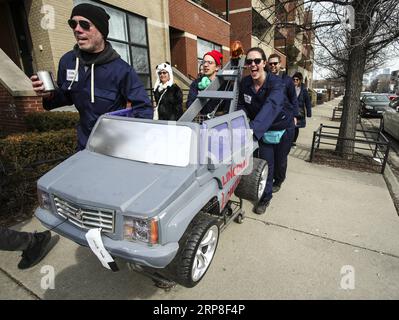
(275, 155)
(296, 134)
(11, 240)
(281, 157)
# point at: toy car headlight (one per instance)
(144, 230)
(44, 199)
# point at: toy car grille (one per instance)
(85, 217)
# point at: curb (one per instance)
(393, 186)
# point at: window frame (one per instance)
(199, 59)
(129, 43)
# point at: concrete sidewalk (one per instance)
(323, 222)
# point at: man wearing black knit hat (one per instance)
(93, 76)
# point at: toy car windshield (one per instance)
(154, 143)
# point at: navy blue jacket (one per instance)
(269, 108)
(304, 104)
(115, 83)
(291, 93)
(304, 101)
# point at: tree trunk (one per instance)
(354, 81)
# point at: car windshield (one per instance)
(376, 98)
(140, 141)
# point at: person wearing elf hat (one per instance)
(168, 95)
(92, 76)
(212, 62)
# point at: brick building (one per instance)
(263, 23)
(195, 30)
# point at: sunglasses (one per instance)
(162, 72)
(257, 61)
(295, 79)
(273, 63)
(85, 25)
(208, 62)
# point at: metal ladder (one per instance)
(230, 77)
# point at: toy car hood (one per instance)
(135, 188)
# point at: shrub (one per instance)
(23, 160)
(46, 121)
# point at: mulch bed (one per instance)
(359, 162)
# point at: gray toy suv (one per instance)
(158, 192)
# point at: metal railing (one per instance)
(372, 145)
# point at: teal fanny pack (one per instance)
(273, 137)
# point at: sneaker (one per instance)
(36, 251)
(276, 188)
(261, 206)
(293, 145)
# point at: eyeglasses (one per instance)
(162, 72)
(295, 79)
(257, 61)
(273, 63)
(208, 62)
(85, 25)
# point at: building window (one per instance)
(128, 36)
(203, 47)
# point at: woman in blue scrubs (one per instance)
(262, 96)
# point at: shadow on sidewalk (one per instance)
(301, 152)
(87, 279)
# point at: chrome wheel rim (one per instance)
(205, 252)
(262, 182)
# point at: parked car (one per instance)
(363, 93)
(373, 105)
(390, 119)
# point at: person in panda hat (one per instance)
(168, 95)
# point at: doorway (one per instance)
(15, 35)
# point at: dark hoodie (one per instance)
(97, 84)
(105, 56)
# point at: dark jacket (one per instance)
(211, 105)
(305, 107)
(291, 93)
(115, 83)
(269, 108)
(171, 105)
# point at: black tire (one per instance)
(181, 268)
(248, 188)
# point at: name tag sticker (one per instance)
(247, 98)
(70, 75)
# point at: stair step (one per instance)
(227, 95)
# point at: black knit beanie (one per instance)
(96, 15)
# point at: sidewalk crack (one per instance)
(20, 284)
(325, 238)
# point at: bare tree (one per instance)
(354, 36)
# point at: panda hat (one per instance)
(158, 84)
